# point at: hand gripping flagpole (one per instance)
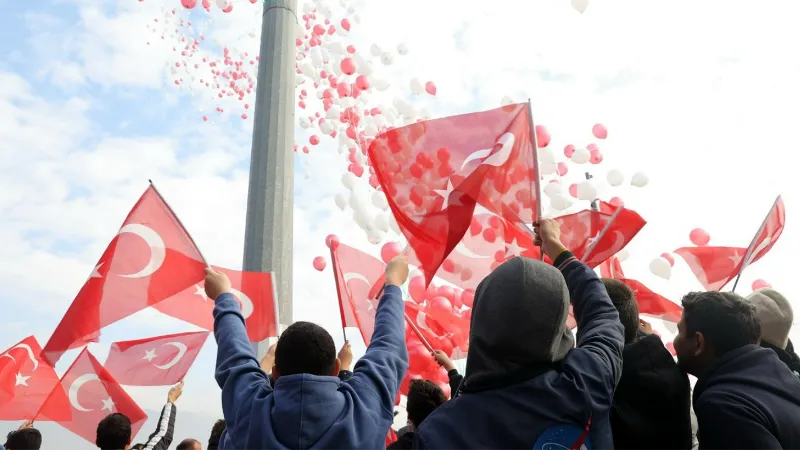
(180, 224)
(602, 234)
(537, 176)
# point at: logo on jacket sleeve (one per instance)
(562, 437)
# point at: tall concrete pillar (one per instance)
(270, 198)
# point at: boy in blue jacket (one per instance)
(309, 407)
(525, 385)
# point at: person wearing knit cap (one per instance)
(776, 317)
(526, 384)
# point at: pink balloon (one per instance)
(320, 263)
(346, 24)
(389, 250)
(446, 292)
(332, 241)
(699, 237)
(314, 139)
(599, 131)
(542, 136)
(569, 150)
(468, 297)
(189, 4)
(416, 288)
(573, 190)
(348, 66)
(562, 169)
(430, 88)
(760, 284)
(596, 157)
(362, 82)
(616, 202)
(669, 259)
(440, 308)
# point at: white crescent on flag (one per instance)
(158, 251)
(181, 351)
(30, 355)
(75, 387)
(506, 143)
(246, 302)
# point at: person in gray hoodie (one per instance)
(775, 313)
(525, 386)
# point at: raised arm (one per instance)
(238, 371)
(378, 373)
(165, 429)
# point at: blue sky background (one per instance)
(701, 97)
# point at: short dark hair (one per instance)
(423, 397)
(113, 432)
(726, 320)
(305, 347)
(24, 439)
(624, 301)
(216, 434)
(187, 444)
(137, 447)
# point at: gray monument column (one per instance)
(270, 197)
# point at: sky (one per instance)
(700, 96)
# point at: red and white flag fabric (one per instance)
(253, 290)
(356, 273)
(715, 267)
(87, 394)
(155, 361)
(150, 259)
(612, 268)
(26, 378)
(435, 172)
(654, 304)
(580, 230)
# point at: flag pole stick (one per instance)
(180, 224)
(537, 176)
(418, 333)
(752, 245)
(602, 234)
(275, 307)
(335, 268)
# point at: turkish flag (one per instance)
(435, 172)
(767, 235)
(391, 436)
(356, 273)
(150, 259)
(155, 361)
(256, 297)
(653, 304)
(714, 267)
(88, 393)
(26, 378)
(612, 268)
(581, 229)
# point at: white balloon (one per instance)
(364, 66)
(371, 129)
(622, 255)
(333, 46)
(341, 201)
(546, 168)
(615, 177)
(381, 223)
(223, 3)
(660, 267)
(316, 56)
(326, 127)
(334, 112)
(506, 101)
(304, 123)
(387, 59)
(374, 50)
(639, 179)
(559, 202)
(416, 86)
(546, 156)
(580, 5)
(402, 49)
(393, 224)
(379, 200)
(587, 190)
(306, 8)
(381, 84)
(349, 180)
(552, 189)
(581, 156)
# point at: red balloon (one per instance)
(440, 309)
(189, 4)
(573, 190)
(362, 82)
(446, 292)
(468, 297)
(699, 237)
(562, 169)
(569, 150)
(430, 88)
(542, 136)
(616, 202)
(760, 284)
(348, 66)
(346, 24)
(416, 288)
(332, 241)
(320, 263)
(669, 259)
(599, 131)
(389, 251)
(314, 139)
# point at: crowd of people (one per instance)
(528, 382)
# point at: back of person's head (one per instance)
(713, 324)
(24, 439)
(189, 444)
(114, 432)
(775, 313)
(305, 347)
(423, 397)
(518, 321)
(137, 447)
(216, 434)
(624, 301)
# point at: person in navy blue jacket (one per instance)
(525, 385)
(309, 407)
(745, 397)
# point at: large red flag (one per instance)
(612, 268)
(155, 361)
(580, 230)
(27, 378)
(151, 258)
(653, 304)
(87, 394)
(356, 272)
(253, 290)
(435, 172)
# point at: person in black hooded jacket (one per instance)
(651, 403)
(745, 397)
(776, 316)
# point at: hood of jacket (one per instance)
(518, 325)
(788, 356)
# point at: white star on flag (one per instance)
(736, 259)
(200, 292)
(445, 194)
(21, 380)
(591, 240)
(513, 248)
(96, 271)
(149, 354)
(108, 404)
